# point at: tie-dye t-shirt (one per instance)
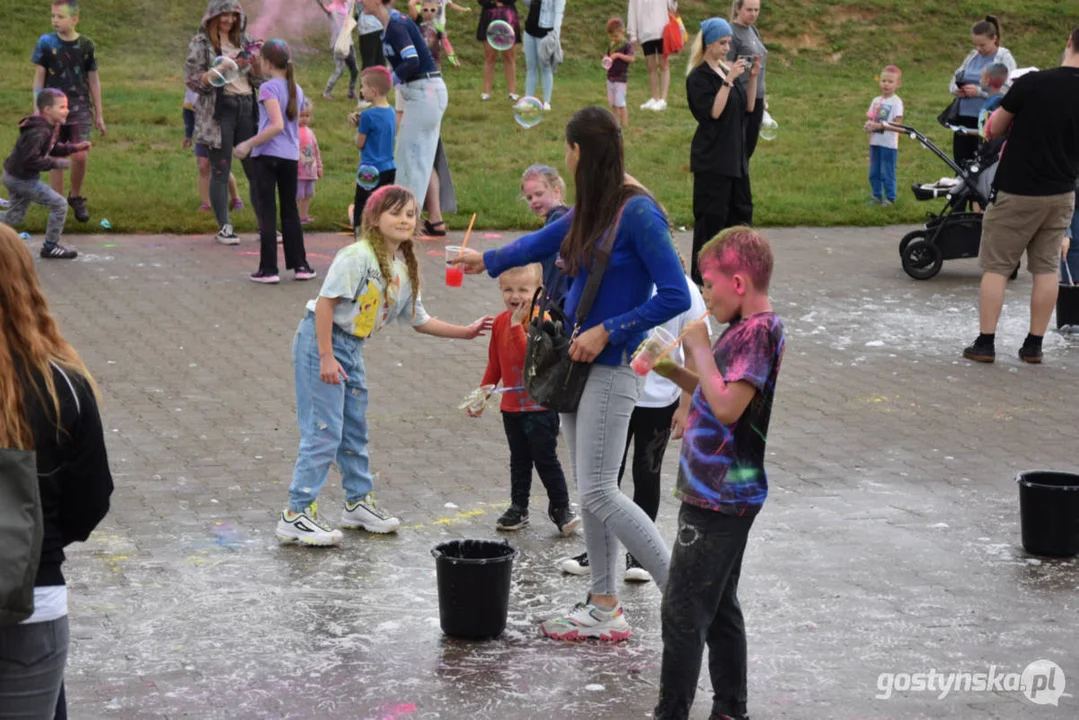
(354, 277)
(67, 65)
(722, 466)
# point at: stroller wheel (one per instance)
(908, 239)
(922, 260)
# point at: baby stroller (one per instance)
(956, 231)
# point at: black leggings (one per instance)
(277, 175)
(235, 115)
(386, 177)
(965, 147)
(719, 202)
(649, 433)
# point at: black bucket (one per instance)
(1049, 512)
(1068, 305)
(473, 586)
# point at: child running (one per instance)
(337, 11)
(310, 167)
(531, 430)
(275, 151)
(721, 478)
(620, 53)
(67, 61)
(884, 143)
(545, 192)
(370, 283)
(375, 140)
(202, 158)
(36, 150)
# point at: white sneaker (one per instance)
(485, 96)
(226, 236)
(363, 105)
(364, 514)
(650, 104)
(588, 621)
(659, 106)
(546, 106)
(576, 565)
(635, 572)
(306, 528)
(514, 97)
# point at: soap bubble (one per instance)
(607, 62)
(367, 177)
(528, 111)
(500, 35)
(223, 70)
(769, 127)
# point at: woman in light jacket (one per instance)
(746, 41)
(544, 17)
(966, 83)
(645, 22)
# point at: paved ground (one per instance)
(890, 542)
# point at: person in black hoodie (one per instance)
(48, 403)
(36, 150)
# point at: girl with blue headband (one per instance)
(717, 158)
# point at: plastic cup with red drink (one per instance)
(654, 346)
(455, 274)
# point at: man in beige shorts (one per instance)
(1033, 199)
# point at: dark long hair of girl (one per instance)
(601, 183)
(278, 54)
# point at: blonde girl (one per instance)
(370, 283)
(545, 192)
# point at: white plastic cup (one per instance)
(655, 344)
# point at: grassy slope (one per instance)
(825, 54)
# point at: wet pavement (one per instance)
(890, 542)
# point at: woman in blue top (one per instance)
(624, 310)
(966, 83)
(420, 85)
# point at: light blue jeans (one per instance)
(534, 68)
(596, 439)
(332, 418)
(23, 192)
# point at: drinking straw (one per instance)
(678, 340)
(467, 233)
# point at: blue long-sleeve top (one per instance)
(643, 255)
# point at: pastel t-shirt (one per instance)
(884, 109)
(354, 277)
(722, 466)
(285, 144)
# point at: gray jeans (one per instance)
(235, 114)
(23, 192)
(596, 439)
(32, 659)
(339, 65)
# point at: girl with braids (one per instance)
(48, 404)
(275, 153)
(370, 283)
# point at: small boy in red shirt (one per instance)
(532, 430)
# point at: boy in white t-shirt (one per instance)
(884, 143)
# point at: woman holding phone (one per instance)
(717, 157)
(967, 79)
(746, 44)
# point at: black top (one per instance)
(532, 26)
(36, 149)
(72, 466)
(719, 144)
(1042, 154)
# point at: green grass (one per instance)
(824, 56)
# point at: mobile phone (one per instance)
(747, 59)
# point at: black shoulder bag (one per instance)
(551, 378)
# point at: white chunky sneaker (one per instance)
(306, 528)
(589, 621)
(366, 515)
(650, 104)
(659, 106)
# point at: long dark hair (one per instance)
(277, 53)
(990, 28)
(601, 183)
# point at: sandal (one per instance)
(430, 229)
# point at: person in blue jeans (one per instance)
(884, 143)
(370, 283)
(624, 309)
